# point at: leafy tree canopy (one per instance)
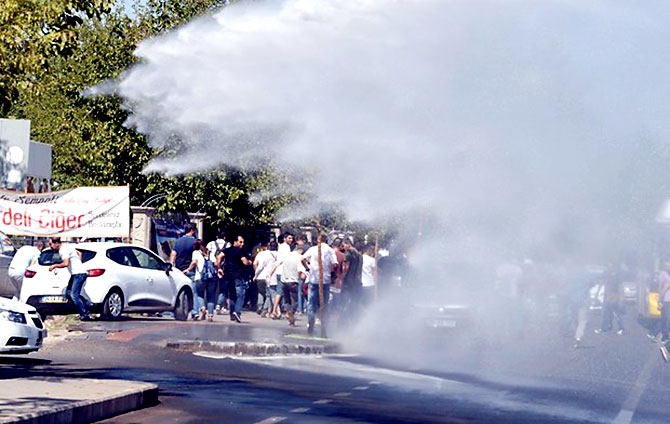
(31, 32)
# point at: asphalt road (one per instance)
(537, 378)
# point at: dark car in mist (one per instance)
(439, 302)
(427, 316)
(439, 311)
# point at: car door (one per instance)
(125, 273)
(159, 288)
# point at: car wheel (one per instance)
(112, 308)
(183, 306)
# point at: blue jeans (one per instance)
(272, 292)
(238, 288)
(280, 292)
(313, 305)
(199, 290)
(78, 281)
(210, 294)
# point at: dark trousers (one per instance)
(611, 310)
(262, 288)
(290, 296)
(350, 307)
(222, 291)
(665, 320)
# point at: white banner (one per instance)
(79, 212)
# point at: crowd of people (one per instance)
(279, 278)
(577, 290)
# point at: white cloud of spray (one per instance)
(510, 115)
(515, 123)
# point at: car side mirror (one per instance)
(168, 268)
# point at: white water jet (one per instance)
(515, 123)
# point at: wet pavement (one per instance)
(82, 400)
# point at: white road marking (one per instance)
(625, 416)
(272, 420)
(331, 365)
(211, 355)
(342, 394)
(300, 410)
(361, 388)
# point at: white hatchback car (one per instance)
(121, 278)
(21, 328)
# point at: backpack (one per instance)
(216, 248)
(208, 271)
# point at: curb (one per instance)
(253, 348)
(57, 408)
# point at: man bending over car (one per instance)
(71, 260)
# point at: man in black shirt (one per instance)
(235, 265)
(352, 283)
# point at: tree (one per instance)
(32, 32)
(91, 146)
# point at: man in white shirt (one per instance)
(368, 274)
(72, 261)
(292, 272)
(23, 258)
(283, 250)
(310, 261)
(263, 265)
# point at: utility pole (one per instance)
(322, 296)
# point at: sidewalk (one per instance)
(38, 400)
(71, 400)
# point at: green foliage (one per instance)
(90, 144)
(223, 195)
(32, 32)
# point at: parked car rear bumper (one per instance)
(63, 307)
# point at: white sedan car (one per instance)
(121, 278)
(21, 328)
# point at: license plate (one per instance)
(443, 323)
(54, 299)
